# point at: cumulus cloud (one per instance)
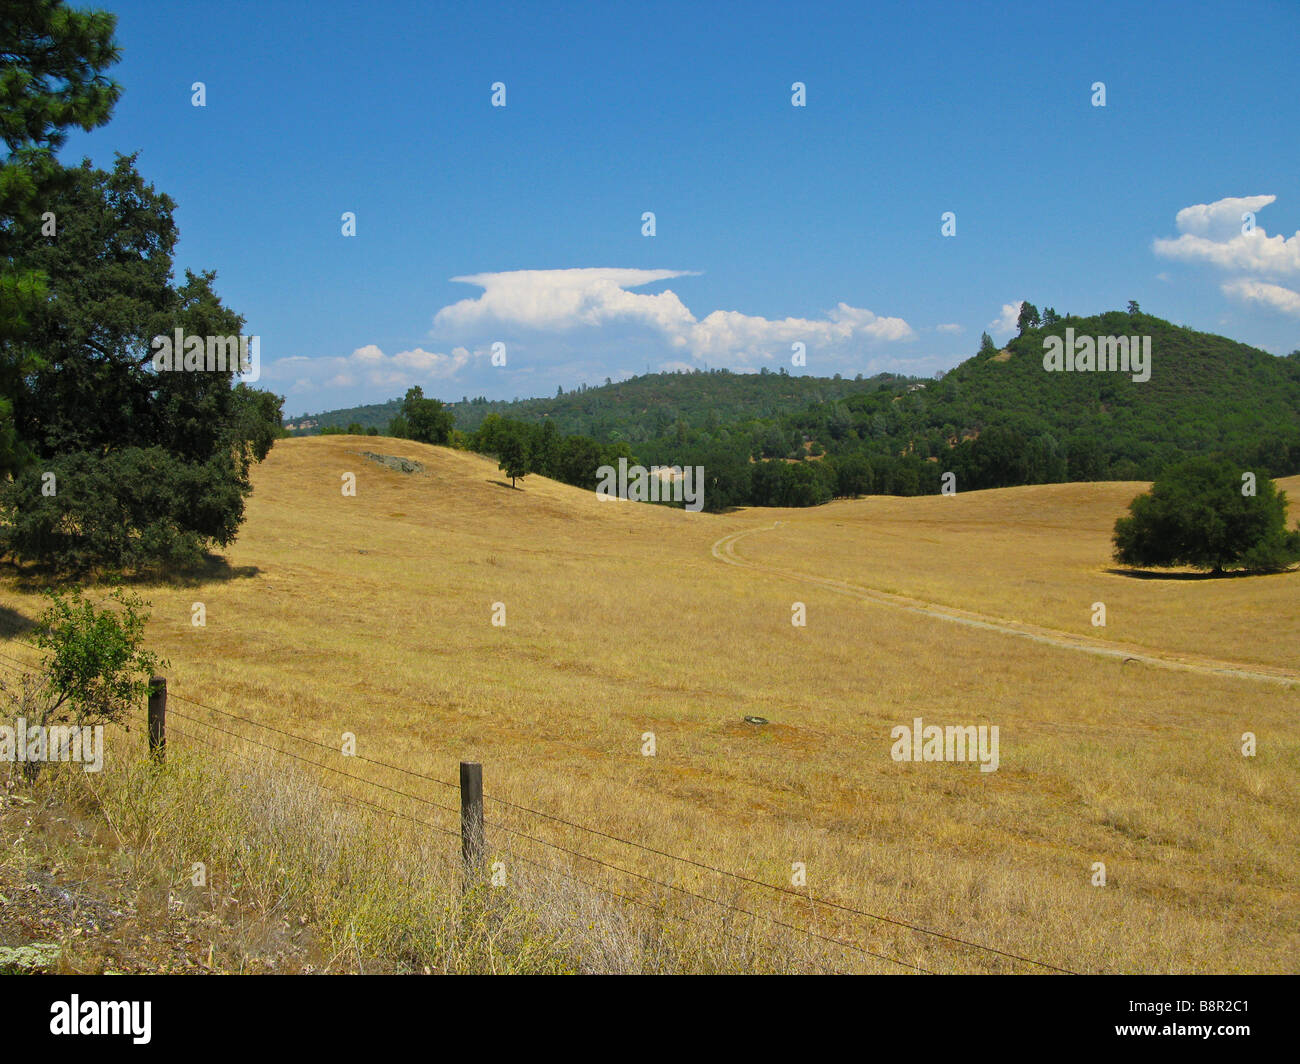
(746, 338)
(1212, 233)
(551, 299)
(1009, 320)
(1271, 295)
(1222, 218)
(559, 301)
(414, 365)
(368, 366)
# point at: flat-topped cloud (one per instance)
(561, 301)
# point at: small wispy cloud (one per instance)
(1270, 295)
(1008, 321)
(369, 367)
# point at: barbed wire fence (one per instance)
(516, 831)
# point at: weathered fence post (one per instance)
(471, 819)
(158, 718)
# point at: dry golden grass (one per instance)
(1041, 555)
(372, 615)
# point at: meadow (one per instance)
(373, 615)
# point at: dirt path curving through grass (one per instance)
(725, 551)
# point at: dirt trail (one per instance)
(725, 551)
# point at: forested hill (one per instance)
(638, 409)
(1205, 393)
(1023, 424)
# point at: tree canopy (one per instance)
(1206, 514)
(111, 461)
(52, 77)
(1028, 318)
(425, 419)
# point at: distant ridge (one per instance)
(697, 398)
(999, 418)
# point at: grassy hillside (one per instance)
(373, 615)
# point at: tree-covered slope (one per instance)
(634, 410)
(1205, 394)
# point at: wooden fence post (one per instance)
(158, 718)
(471, 819)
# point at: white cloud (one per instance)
(1009, 320)
(370, 355)
(1271, 295)
(589, 324)
(557, 301)
(551, 299)
(369, 366)
(949, 327)
(1221, 219)
(1212, 233)
(746, 338)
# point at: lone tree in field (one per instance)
(1205, 513)
(513, 456)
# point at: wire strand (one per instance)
(669, 856)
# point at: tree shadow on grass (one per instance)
(13, 624)
(213, 569)
(210, 570)
(503, 484)
(1158, 574)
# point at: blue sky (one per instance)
(774, 224)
